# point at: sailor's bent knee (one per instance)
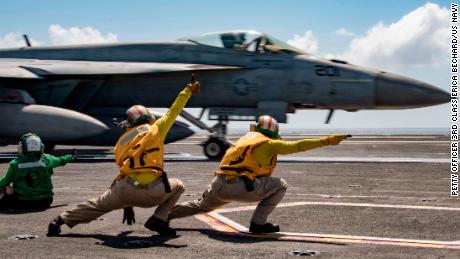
(98, 205)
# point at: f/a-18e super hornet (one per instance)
(69, 94)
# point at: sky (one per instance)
(410, 38)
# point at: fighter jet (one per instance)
(69, 94)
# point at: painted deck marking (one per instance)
(348, 204)
(225, 225)
(230, 227)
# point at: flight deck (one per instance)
(369, 197)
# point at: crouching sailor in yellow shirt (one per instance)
(141, 181)
(244, 174)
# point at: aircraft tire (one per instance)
(214, 148)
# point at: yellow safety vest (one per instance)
(239, 161)
(140, 150)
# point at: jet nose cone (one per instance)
(394, 91)
(178, 131)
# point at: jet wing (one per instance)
(27, 69)
(17, 72)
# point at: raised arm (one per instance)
(165, 122)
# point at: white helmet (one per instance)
(31, 144)
(138, 114)
(268, 126)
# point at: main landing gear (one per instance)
(216, 145)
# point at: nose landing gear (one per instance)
(216, 145)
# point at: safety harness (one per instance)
(140, 150)
(248, 183)
(239, 161)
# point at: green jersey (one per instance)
(31, 177)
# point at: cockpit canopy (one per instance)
(250, 41)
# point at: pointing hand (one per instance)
(194, 85)
(74, 153)
(334, 139)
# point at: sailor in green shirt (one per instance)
(30, 176)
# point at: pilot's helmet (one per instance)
(138, 114)
(31, 144)
(268, 126)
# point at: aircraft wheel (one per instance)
(214, 148)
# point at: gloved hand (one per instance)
(9, 189)
(334, 139)
(194, 85)
(128, 216)
(74, 154)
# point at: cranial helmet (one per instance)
(268, 126)
(31, 144)
(138, 114)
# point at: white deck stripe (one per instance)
(243, 229)
(347, 204)
(370, 196)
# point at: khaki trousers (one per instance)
(268, 190)
(124, 194)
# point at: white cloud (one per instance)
(420, 38)
(60, 36)
(344, 32)
(306, 42)
(11, 40)
(75, 35)
(14, 40)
